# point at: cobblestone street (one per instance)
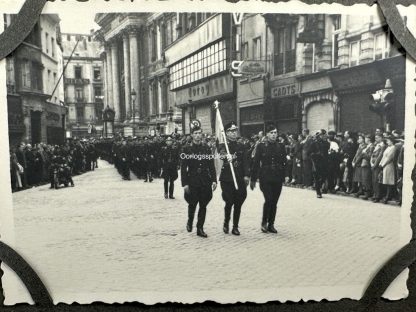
(112, 240)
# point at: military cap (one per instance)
(195, 125)
(230, 126)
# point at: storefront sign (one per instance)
(214, 87)
(285, 90)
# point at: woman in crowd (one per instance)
(366, 177)
(356, 164)
(387, 163)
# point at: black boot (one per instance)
(271, 229)
(264, 227)
(226, 228)
(235, 231)
(200, 232)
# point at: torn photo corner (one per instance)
(118, 186)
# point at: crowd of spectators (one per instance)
(33, 165)
(366, 165)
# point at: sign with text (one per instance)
(212, 88)
(285, 90)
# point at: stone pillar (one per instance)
(325, 59)
(115, 77)
(127, 90)
(109, 79)
(343, 51)
(367, 45)
(159, 96)
(134, 70)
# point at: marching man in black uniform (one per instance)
(198, 177)
(170, 163)
(269, 166)
(238, 157)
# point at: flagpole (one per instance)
(217, 107)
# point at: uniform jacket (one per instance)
(169, 157)
(241, 161)
(197, 165)
(269, 162)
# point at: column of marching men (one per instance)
(367, 166)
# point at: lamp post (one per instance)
(133, 99)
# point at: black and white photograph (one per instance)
(187, 154)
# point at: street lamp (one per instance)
(133, 99)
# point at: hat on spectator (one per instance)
(333, 133)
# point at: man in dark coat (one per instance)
(306, 159)
(198, 177)
(170, 164)
(319, 155)
(239, 158)
(124, 155)
(269, 166)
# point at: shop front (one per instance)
(285, 103)
(55, 123)
(354, 87)
(197, 102)
(15, 119)
(320, 108)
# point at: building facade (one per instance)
(83, 80)
(320, 72)
(35, 96)
(136, 80)
(198, 62)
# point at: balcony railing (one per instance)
(76, 81)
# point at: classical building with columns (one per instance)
(136, 79)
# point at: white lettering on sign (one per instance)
(238, 18)
(284, 91)
(235, 65)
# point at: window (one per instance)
(210, 61)
(285, 50)
(354, 53)
(97, 93)
(154, 44)
(26, 77)
(335, 50)
(53, 46)
(337, 21)
(257, 48)
(382, 46)
(97, 73)
(68, 37)
(54, 78)
(78, 72)
(10, 71)
(47, 42)
(79, 95)
(244, 51)
(80, 113)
